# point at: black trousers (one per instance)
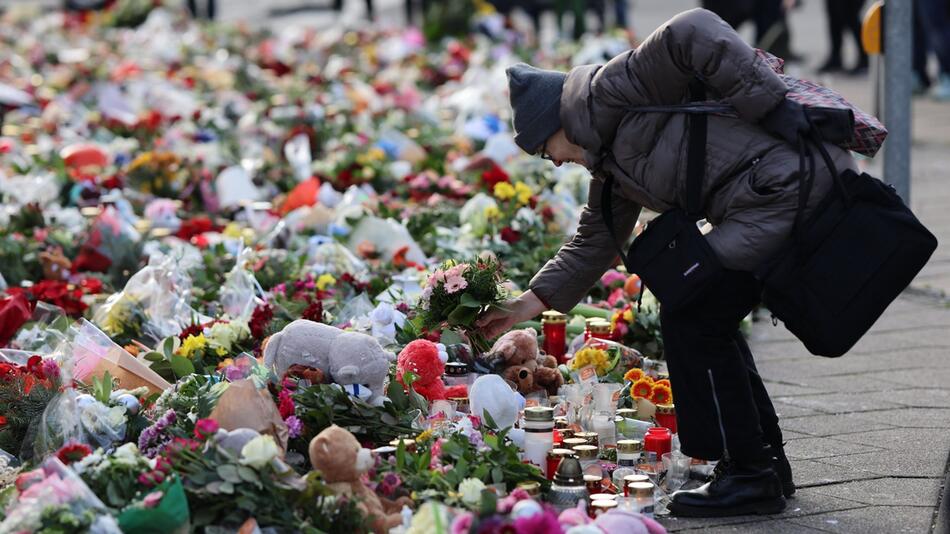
(844, 16)
(721, 402)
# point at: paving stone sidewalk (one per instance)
(867, 433)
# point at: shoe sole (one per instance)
(770, 507)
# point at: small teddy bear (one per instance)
(341, 460)
(516, 357)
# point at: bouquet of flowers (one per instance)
(457, 293)
(54, 499)
(25, 392)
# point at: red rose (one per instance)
(510, 235)
(205, 428)
(91, 260)
(494, 176)
(14, 311)
(195, 226)
(73, 452)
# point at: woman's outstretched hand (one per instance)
(501, 319)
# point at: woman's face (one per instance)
(559, 150)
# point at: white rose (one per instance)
(259, 451)
(471, 490)
(127, 454)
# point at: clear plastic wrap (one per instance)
(238, 296)
(53, 497)
(158, 296)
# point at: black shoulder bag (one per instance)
(859, 250)
(671, 255)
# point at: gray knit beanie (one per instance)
(535, 104)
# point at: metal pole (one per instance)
(898, 43)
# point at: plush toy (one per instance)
(345, 358)
(337, 454)
(516, 357)
(491, 394)
(427, 361)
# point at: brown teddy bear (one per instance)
(516, 357)
(337, 454)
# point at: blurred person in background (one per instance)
(370, 12)
(769, 16)
(844, 16)
(933, 17)
(207, 12)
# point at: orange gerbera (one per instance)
(662, 394)
(642, 388)
(633, 375)
(665, 382)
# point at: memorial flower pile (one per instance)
(214, 243)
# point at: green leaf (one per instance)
(247, 474)
(170, 345)
(229, 473)
(154, 356)
(469, 301)
(489, 504)
(181, 366)
(488, 421)
(497, 475)
(462, 316)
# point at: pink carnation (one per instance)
(455, 284)
(612, 277)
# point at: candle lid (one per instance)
(589, 437)
(629, 413)
(642, 489)
(456, 369)
(531, 486)
(665, 409)
(603, 504)
(586, 452)
(602, 327)
(603, 497)
(629, 446)
(633, 479)
(572, 442)
(591, 320)
(539, 413)
(563, 453)
(553, 317)
(561, 423)
(569, 473)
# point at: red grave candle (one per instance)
(554, 324)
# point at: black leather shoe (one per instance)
(779, 464)
(737, 489)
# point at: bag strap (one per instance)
(807, 180)
(696, 154)
(695, 164)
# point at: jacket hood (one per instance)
(577, 118)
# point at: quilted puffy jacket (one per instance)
(750, 187)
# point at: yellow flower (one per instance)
(424, 436)
(225, 362)
(324, 281)
(522, 192)
(232, 230)
(628, 316)
(192, 344)
(504, 191)
(633, 375)
(591, 356)
(492, 213)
